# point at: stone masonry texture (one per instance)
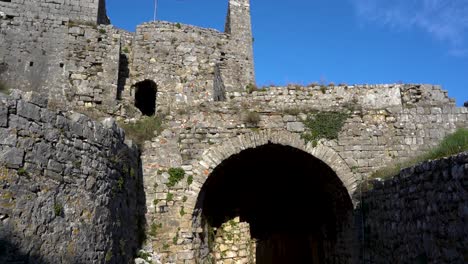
(72, 190)
(66, 50)
(69, 187)
(386, 123)
(419, 216)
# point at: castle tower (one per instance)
(238, 25)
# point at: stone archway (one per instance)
(217, 183)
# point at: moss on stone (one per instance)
(323, 125)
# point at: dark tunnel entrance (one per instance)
(296, 205)
(145, 97)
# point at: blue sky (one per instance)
(340, 41)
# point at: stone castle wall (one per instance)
(71, 189)
(58, 49)
(33, 37)
(180, 59)
(420, 215)
(92, 66)
(398, 122)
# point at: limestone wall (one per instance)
(71, 189)
(44, 44)
(79, 10)
(180, 59)
(420, 215)
(233, 243)
(321, 97)
(394, 125)
(92, 67)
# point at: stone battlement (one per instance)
(377, 96)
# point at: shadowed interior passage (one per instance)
(295, 203)
(145, 97)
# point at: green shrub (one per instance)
(189, 180)
(144, 129)
(175, 175)
(102, 31)
(22, 172)
(155, 202)
(251, 87)
(154, 228)
(252, 118)
(182, 211)
(323, 89)
(169, 197)
(120, 183)
(450, 145)
(126, 50)
(178, 25)
(108, 256)
(58, 209)
(323, 125)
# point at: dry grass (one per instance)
(144, 129)
(450, 145)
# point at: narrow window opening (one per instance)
(99, 39)
(61, 65)
(145, 97)
(31, 63)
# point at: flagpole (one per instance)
(155, 9)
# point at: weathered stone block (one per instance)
(8, 137)
(3, 115)
(295, 126)
(12, 157)
(29, 111)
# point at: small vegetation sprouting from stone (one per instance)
(58, 209)
(251, 118)
(144, 129)
(250, 88)
(323, 125)
(450, 145)
(175, 176)
(154, 229)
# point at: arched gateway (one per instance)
(284, 201)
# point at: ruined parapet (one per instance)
(69, 186)
(356, 97)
